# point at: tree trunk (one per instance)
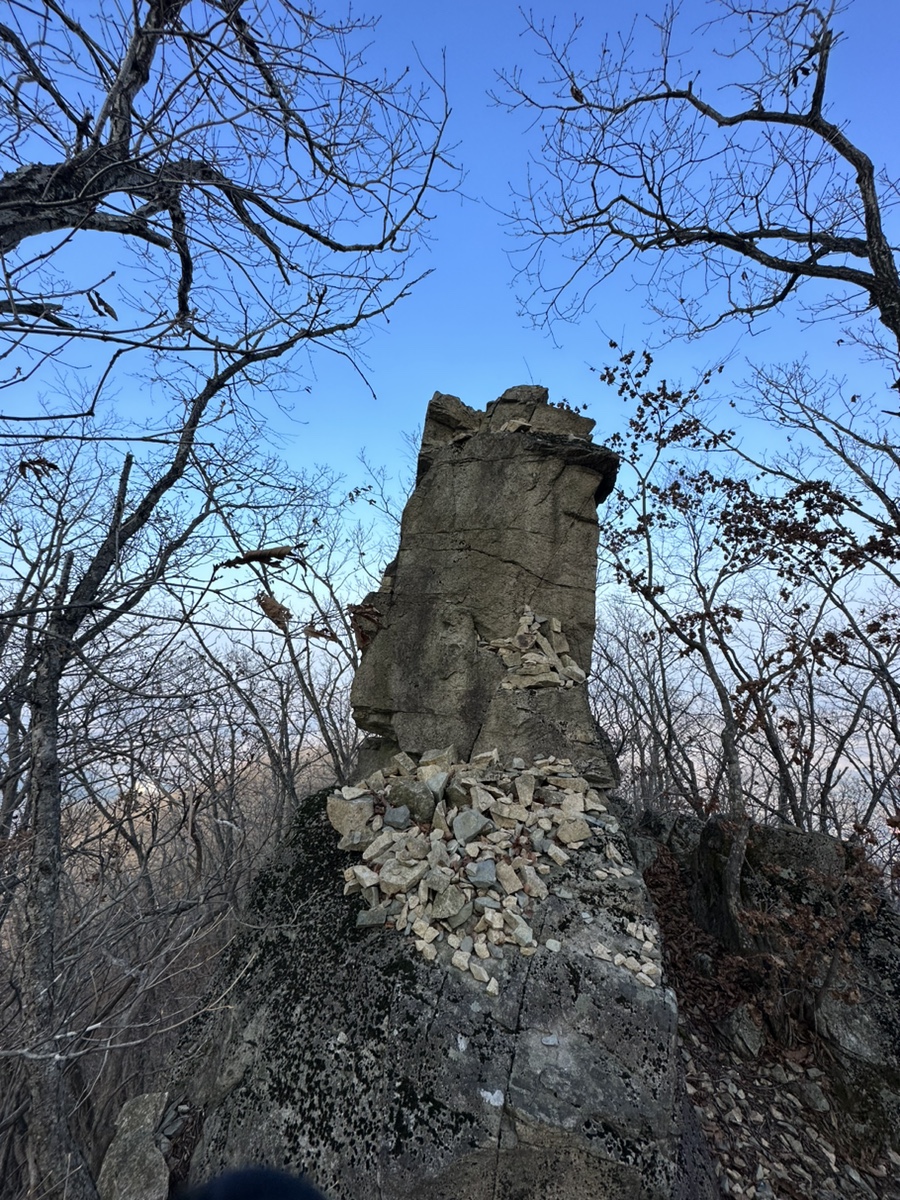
(57, 1168)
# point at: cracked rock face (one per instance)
(481, 632)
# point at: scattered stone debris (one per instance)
(767, 1130)
(460, 855)
(773, 1120)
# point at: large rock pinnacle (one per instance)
(500, 532)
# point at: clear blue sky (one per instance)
(460, 331)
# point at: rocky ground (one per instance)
(459, 855)
(769, 1114)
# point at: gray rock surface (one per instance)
(343, 1052)
(502, 526)
(134, 1167)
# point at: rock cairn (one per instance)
(459, 855)
(537, 656)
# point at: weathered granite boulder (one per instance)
(500, 530)
(341, 1051)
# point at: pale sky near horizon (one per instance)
(460, 331)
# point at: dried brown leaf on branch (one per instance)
(271, 556)
(276, 612)
(39, 466)
(365, 621)
(312, 630)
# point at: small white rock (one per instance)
(554, 945)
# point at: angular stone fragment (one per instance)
(508, 879)
(437, 782)
(448, 903)
(469, 824)
(572, 806)
(350, 815)
(400, 877)
(571, 669)
(438, 879)
(487, 758)
(439, 818)
(384, 842)
(511, 812)
(460, 918)
(365, 876)
(480, 799)
(577, 830)
(353, 793)
(404, 764)
(438, 855)
(412, 847)
(443, 759)
(483, 873)
(521, 931)
(427, 933)
(397, 817)
(532, 882)
(372, 916)
(416, 796)
(457, 795)
(477, 971)
(524, 786)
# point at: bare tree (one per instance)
(224, 180)
(737, 195)
(192, 190)
(766, 602)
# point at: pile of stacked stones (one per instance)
(537, 656)
(458, 855)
